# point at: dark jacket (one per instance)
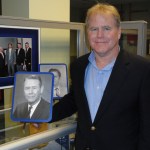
(123, 118)
(2, 65)
(20, 58)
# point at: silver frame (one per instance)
(141, 27)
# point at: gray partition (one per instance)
(137, 35)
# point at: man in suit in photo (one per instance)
(28, 51)
(10, 59)
(2, 62)
(20, 57)
(110, 89)
(59, 90)
(34, 107)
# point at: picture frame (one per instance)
(33, 89)
(16, 34)
(60, 73)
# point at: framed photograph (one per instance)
(19, 51)
(60, 78)
(32, 97)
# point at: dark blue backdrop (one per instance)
(21, 33)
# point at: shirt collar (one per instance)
(35, 105)
(93, 62)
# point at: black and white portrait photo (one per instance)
(60, 78)
(32, 97)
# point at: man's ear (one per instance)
(119, 35)
(42, 88)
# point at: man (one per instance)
(2, 62)
(27, 56)
(20, 57)
(57, 76)
(110, 90)
(10, 60)
(34, 107)
(59, 91)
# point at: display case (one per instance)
(59, 42)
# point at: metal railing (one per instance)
(40, 138)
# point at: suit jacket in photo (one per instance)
(42, 111)
(20, 57)
(12, 59)
(122, 121)
(28, 59)
(2, 64)
(62, 91)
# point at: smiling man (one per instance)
(110, 89)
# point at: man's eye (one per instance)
(27, 88)
(106, 28)
(34, 87)
(93, 29)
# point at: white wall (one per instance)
(15, 8)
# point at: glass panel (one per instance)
(8, 128)
(128, 40)
(10, 131)
(58, 46)
(62, 143)
(148, 45)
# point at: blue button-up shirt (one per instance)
(95, 83)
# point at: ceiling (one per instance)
(88, 3)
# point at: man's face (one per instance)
(9, 46)
(32, 90)
(1, 49)
(103, 34)
(26, 45)
(19, 45)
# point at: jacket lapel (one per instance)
(116, 79)
(83, 66)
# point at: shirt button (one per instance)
(93, 128)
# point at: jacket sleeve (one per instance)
(64, 108)
(144, 113)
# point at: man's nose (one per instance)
(100, 33)
(30, 90)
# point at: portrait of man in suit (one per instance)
(57, 76)
(60, 78)
(33, 106)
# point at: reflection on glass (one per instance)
(148, 45)
(58, 45)
(128, 40)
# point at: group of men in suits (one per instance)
(15, 60)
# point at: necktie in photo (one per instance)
(57, 92)
(29, 111)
